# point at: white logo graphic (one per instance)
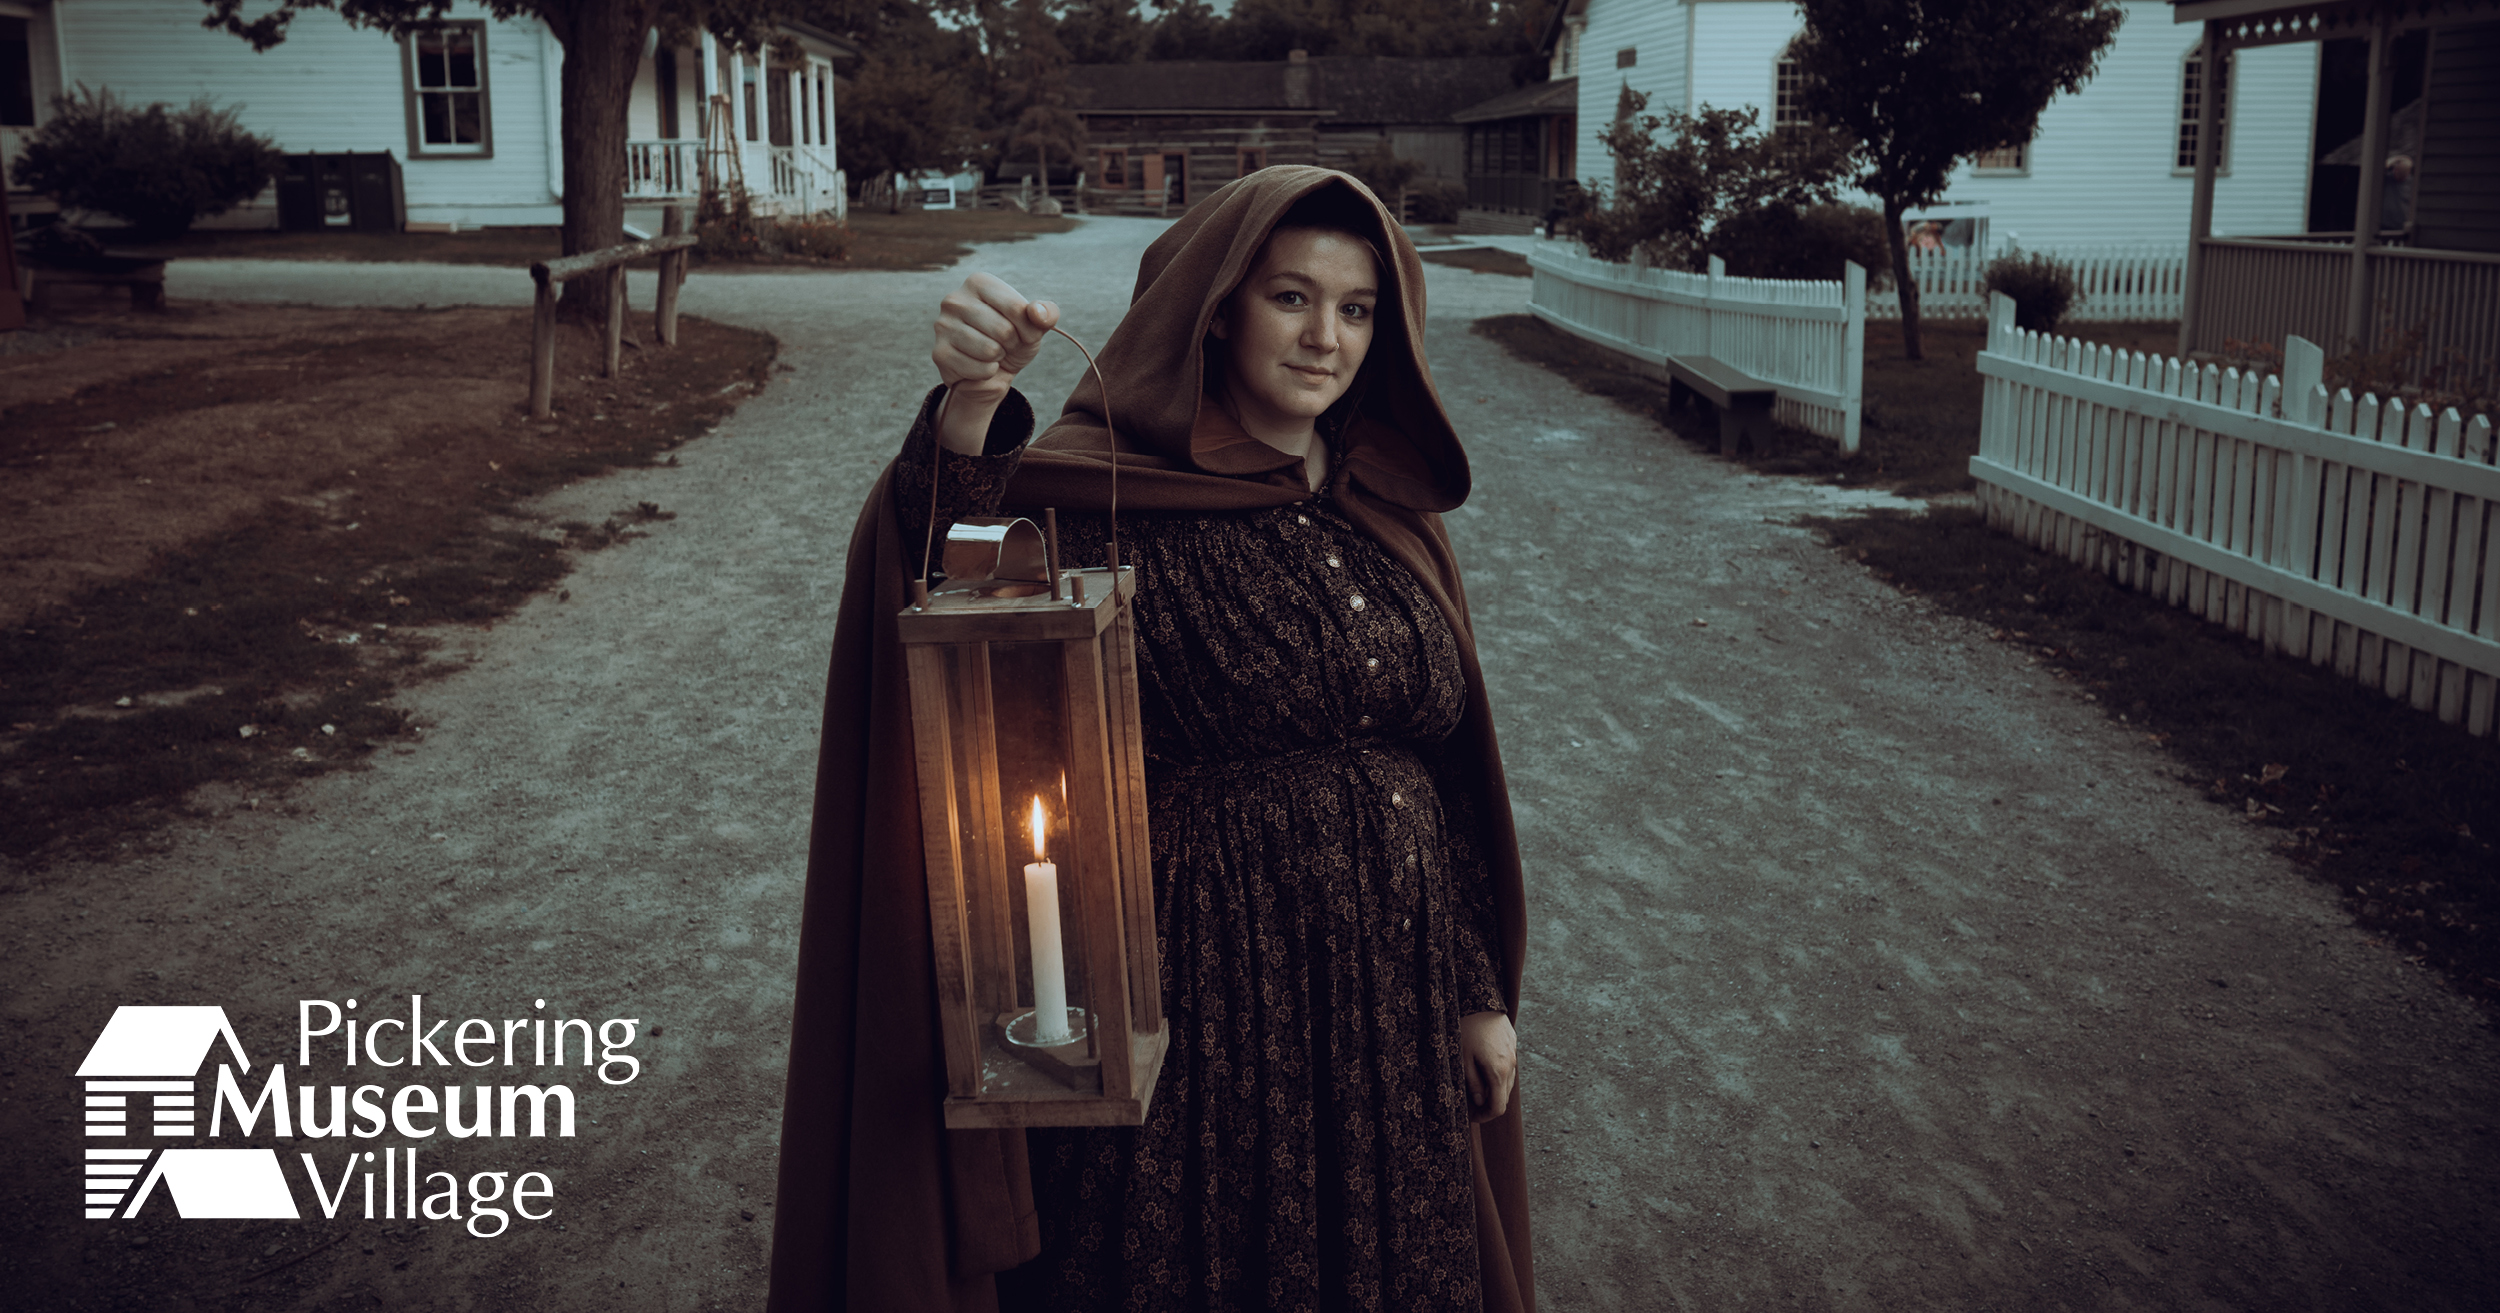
(157, 1051)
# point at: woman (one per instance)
(1336, 881)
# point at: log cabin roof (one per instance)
(1350, 89)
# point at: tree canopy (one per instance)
(1679, 177)
(1924, 84)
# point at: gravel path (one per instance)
(1871, 968)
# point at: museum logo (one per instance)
(144, 1081)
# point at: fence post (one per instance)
(1853, 352)
(1710, 308)
(2000, 322)
(616, 319)
(664, 318)
(543, 351)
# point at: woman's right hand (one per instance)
(986, 334)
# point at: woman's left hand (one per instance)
(1488, 1050)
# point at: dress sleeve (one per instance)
(1474, 943)
(966, 485)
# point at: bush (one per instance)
(2043, 288)
(817, 239)
(1435, 200)
(156, 169)
(1786, 241)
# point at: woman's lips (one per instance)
(1314, 375)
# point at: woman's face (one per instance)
(1298, 327)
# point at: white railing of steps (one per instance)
(2112, 285)
(2351, 532)
(1805, 338)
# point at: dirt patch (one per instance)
(228, 529)
(2396, 810)
(1482, 260)
(915, 239)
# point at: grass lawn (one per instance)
(914, 239)
(2398, 812)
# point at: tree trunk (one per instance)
(602, 42)
(1901, 280)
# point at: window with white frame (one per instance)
(2004, 159)
(2194, 96)
(446, 81)
(1787, 95)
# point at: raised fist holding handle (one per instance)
(986, 334)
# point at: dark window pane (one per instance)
(434, 113)
(431, 65)
(464, 64)
(468, 125)
(17, 75)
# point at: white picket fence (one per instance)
(2113, 285)
(1806, 339)
(2351, 532)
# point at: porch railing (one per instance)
(2267, 290)
(663, 170)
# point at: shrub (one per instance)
(1435, 200)
(156, 169)
(2043, 288)
(817, 239)
(1787, 241)
(725, 226)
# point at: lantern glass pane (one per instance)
(1030, 712)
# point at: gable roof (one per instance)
(1561, 96)
(160, 1041)
(1349, 88)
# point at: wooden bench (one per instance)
(1744, 402)
(145, 278)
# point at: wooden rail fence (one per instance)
(612, 261)
(1806, 338)
(2353, 532)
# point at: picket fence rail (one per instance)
(2113, 285)
(2357, 533)
(1807, 339)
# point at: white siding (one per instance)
(2101, 166)
(329, 87)
(1736, 45)
(1656, 30)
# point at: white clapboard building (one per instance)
(2111, 165)
(470, 111)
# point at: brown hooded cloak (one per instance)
(879, 1206)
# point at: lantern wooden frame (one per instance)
(1107, 883)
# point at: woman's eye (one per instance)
(1354, 311)
(1293, 299)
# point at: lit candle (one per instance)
(1050, 973)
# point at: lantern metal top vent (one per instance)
(1027, 742)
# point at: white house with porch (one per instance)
(2112, 165)
(471, 111)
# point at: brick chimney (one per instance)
(1298, 79)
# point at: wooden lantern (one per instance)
(1024, 717)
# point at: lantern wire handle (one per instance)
(928, 545)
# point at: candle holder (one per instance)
(1026, 742)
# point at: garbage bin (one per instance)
(354, 191)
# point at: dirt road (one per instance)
(1871, 968)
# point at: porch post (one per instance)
(706, 87)
(2201, 208)
(2373, 173)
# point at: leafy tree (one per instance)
(1103, 32)
(901, 116)
(1922, 84)
(1034, 90)
(1269, 29)
(1679, 178)
(603, 42)
(154, 169)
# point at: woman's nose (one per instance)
(1322, 334)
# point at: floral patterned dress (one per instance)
(1323, 918)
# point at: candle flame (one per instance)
(1037, 828)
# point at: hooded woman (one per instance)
(1336, 881)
